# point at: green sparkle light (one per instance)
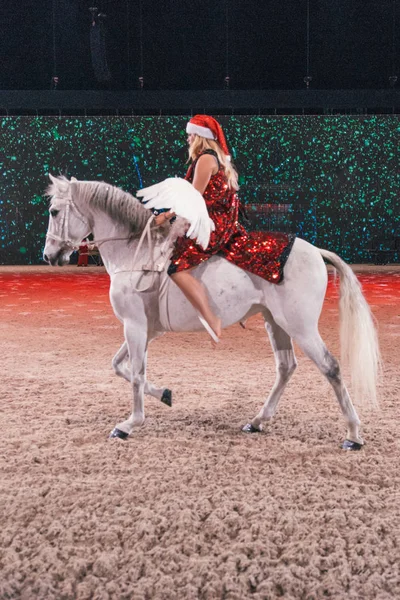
(331, 170)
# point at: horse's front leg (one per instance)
(136, 342)
(119, 363)
(122, 368)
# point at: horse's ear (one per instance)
(73, 187)
(52, 179)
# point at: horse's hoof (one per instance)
(249, 428)
(166, 398)
(117, 433)
(349, 445)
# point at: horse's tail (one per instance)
(358, 336)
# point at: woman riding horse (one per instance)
(213, 175)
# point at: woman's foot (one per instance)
(217, 327)
(215, 330)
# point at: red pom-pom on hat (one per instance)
(209, 128)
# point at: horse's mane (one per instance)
(122, 207)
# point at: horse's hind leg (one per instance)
(121, 367)
(285, 362)
(314, 347)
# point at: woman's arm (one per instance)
(206, 167)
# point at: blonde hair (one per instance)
(199, 144)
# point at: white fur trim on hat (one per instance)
(204, 132)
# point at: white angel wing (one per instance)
(185, 201)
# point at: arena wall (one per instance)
(333, 180)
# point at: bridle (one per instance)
(65, 239)
(64, 227)
(74, 245)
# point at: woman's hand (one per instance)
(164, 217)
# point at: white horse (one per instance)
(148, 303)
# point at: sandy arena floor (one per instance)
(189, 507)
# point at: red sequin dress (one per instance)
(261, 253)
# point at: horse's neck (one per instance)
(115, 251)
(117, 254)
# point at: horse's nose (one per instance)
(46, 258)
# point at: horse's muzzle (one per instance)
(59, 259)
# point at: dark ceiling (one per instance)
(194, 45)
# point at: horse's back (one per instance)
(235, 293)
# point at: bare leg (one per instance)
(285, 361)
(197, 296)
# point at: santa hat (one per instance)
(209, 128)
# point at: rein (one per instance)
(154, 268)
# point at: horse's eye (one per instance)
(54, 212)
